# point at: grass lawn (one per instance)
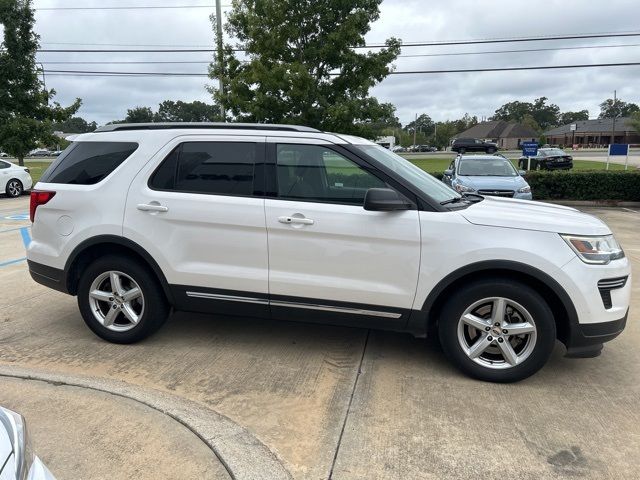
(439, 164)
(36, 169)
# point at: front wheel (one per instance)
(120, 300)
(497, 330)
(462, 150)
(14, 188)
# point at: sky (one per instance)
(441, 96)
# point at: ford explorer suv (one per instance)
(288, 222)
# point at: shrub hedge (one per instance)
(583, 185)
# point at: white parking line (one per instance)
(629, 210)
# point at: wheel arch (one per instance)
(554, 294)
(95, 247)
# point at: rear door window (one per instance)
(87, 163)
(219, 168)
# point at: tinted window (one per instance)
(223, 168)
(312, 172)
(486, 167)
(86, 163)
(4, 165)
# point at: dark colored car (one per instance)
(425, 148)
(548, 159)
(462, 145)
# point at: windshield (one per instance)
(552, 151)
(428, 184)
(486, 167)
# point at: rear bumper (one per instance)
(48, 276)
(586, 340)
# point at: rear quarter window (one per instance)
(87, 163)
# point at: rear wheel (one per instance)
(14, 188)
(462, 150)
(491, 150)
(120, 300)
(497, 330)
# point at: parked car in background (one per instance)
(17, 458)
(398, 149)
(14, 180)
(462, 145)
(3, 155)
(548, 159)
(491, 175)
(55, 153)
(39, 153)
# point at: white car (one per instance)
(17, 460)
(14, 180)
(288, 222)
(3, 155)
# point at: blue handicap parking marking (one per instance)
(26, 236)
(18, 216)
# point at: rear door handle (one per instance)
(146, 207)
(296, 220)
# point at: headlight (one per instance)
(596, 250)
(463, 188)
(526, 189)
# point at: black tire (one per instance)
(491, 150)
(497, 287)
(462, 150)
(156, 308)
(14, 188)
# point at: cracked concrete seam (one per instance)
(242, 454)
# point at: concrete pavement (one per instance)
(333, 402)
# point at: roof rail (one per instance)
(114, 127)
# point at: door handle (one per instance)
(296, 220)
(146, 207)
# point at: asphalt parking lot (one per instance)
(212, 397)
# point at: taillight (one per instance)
(38, 197)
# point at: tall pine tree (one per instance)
(26, 109)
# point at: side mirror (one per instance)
(448, 172)
(522, 173)
(384, 200)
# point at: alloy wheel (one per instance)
(14, 188)
(116, 301)
(497, 333)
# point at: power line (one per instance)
(148, 7)
(486, 52)
(423, 44)
(412, 72)
(154, 62)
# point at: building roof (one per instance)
(598, 125)
(499, 129)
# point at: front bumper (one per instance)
(585, 340)
(523, 196)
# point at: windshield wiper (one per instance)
(473, 197)
(452, 200)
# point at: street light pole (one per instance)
(219, 53)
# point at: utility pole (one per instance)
(613, 128)
(415, 129)
(220, 59)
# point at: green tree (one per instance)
(139, 115)
(571, 117)
(301, 65)
(545, 115)
(170, 111)
(611, 109)
(530, 122)
(423, 124)
(75, 125)
(634, 121)
(26, 110)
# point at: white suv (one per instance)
(288, 222)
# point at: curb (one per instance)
(242, 454)
(594, 203)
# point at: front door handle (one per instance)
(150, 207)
(296, 220)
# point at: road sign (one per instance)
(619, 150)
(529, 149)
